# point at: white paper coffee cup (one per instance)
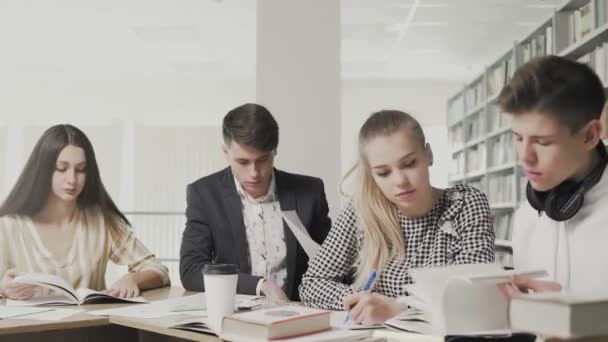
(220, 292)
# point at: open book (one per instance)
(338, 320)
(195, 324)
(457, 300)
(66, 294)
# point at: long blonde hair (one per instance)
(383, 238)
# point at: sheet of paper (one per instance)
(310, 246)
(7, 311)
(51, 315)
(505, 276)
(414, 302)
(337, 320)
(49, 301)
(333, 335)
(192, 305)
(392, 335)
(137, 311)
(157, 309)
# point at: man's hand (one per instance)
(273, 292)
(520, 284)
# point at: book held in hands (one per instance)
(457, 300)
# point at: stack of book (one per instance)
(289, 322)
(560, 315)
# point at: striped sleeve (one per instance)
(128, 250)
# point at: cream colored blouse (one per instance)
(84, 262)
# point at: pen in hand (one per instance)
(366, 288)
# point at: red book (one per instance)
(276, 323)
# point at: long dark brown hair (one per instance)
(32, 190)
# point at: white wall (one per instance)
(148, 103)
(425, 100)
(39, 103)
(298, 77)
(151, 138)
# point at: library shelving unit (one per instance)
(480, 139)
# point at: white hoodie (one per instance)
(574, 252)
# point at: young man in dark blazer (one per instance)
(234, 215)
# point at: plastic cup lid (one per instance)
(220, 269)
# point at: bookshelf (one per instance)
(481, 142)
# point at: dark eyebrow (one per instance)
(63, 162)
(264, 156)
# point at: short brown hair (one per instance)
(251, 124)
(567, 90)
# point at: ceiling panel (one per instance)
(449, 38)
(150, 38)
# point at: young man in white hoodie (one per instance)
(556, 107)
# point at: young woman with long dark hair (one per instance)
(59, 219)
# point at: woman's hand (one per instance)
(14, 290)
(370, 308)
(125, 287)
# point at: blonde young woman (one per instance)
(58, 219)
(396, 221)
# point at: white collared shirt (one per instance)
(265, 234)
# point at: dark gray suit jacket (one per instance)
(215, 231)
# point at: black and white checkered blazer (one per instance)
(457, 230)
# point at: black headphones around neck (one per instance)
(564, 201)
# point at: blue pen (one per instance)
(366, 287)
